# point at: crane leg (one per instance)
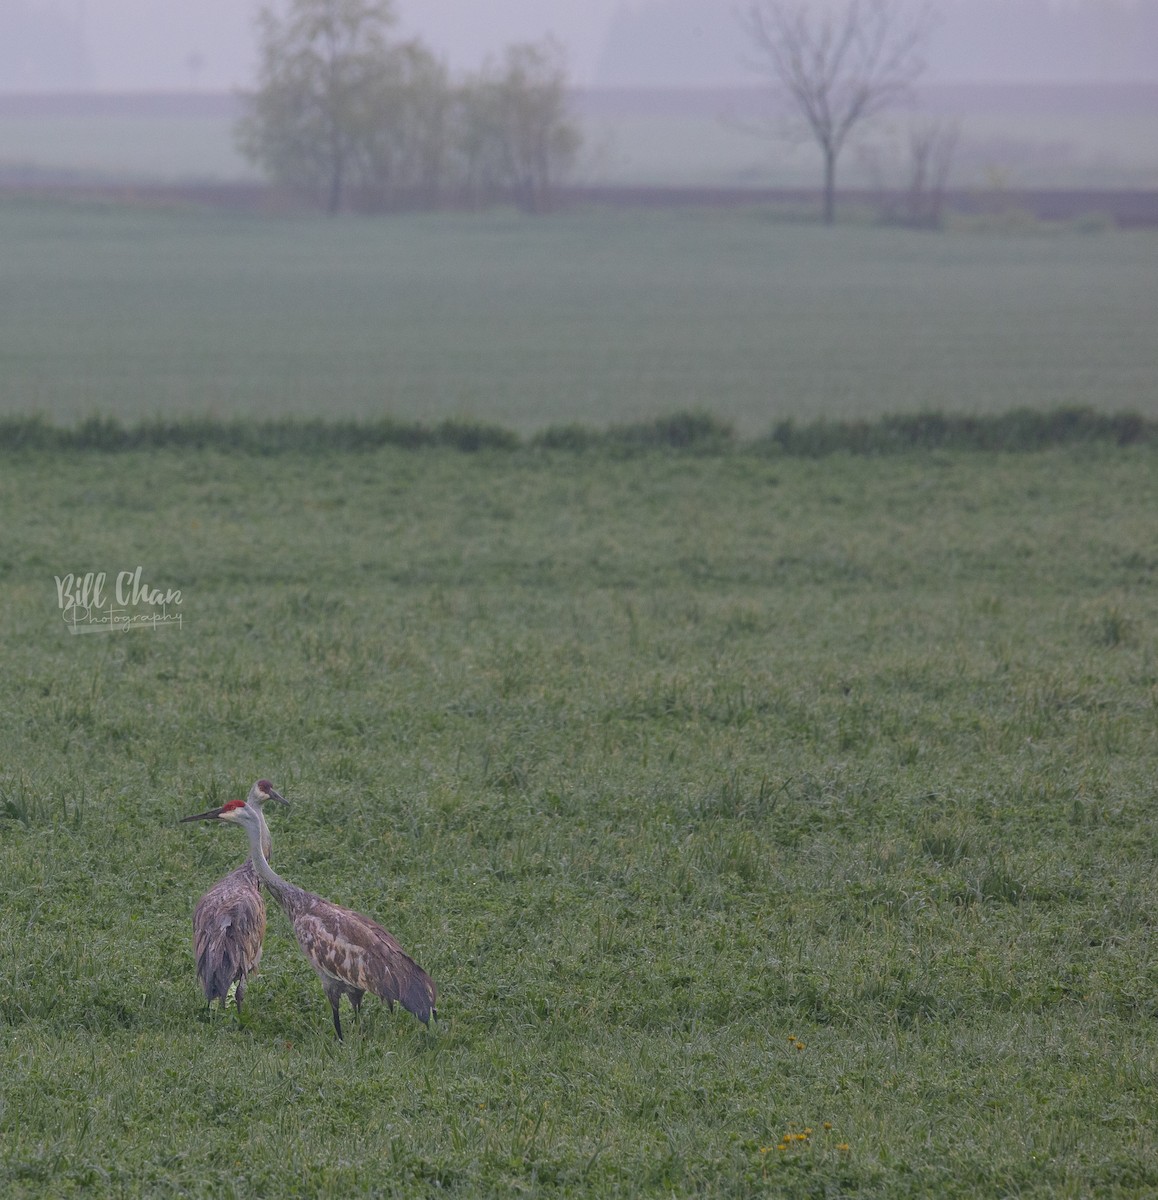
(337, 1019)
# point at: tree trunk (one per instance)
(829, 186)
(334, 200)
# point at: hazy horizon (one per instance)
(163, 45)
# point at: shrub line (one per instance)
(1020, 430)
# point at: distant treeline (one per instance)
(696, 432)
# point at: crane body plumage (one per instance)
(350, 953)
(228, 931)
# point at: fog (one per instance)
(140, 45)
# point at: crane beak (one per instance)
(276, 795)
(211, 815)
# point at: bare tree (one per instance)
(932, 145)
(839, 64)
(912, 191)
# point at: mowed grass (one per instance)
(598, 317)
(770, 826)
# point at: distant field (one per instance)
(1027, 137)
(120, 147)
(591, 316)
(1006, 141)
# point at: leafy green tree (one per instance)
(407, 152)
(354, 120)
(317, 106)
(516, 137)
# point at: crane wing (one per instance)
(349, 947)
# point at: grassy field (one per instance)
(743, 150)
(596, 317)
(123, 147)
(772, 827)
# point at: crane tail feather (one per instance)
(419, 995)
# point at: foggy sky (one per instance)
(135, 45)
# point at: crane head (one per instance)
(238, 812)
(218, 814)
(262, 791)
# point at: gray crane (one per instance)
(229, 920)
(351, 954)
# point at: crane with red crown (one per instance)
(351, 954)
(229, 920)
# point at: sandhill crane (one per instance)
(351, 954)
(229, 920)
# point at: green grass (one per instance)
(724, 796)
(600, 318)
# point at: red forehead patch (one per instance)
(232, 804)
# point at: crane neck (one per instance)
(266, 840)
(259, 845)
